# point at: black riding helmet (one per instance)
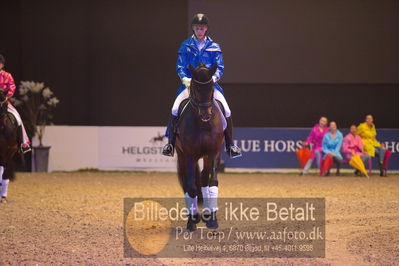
(200, 19)
(2, 59)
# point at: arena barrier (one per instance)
(274, 148)
(139, 148)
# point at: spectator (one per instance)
(331, 145)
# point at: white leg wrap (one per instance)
(205, 196)
(219, 96)
(1, 173)
(181, 97)
(4, 187)
(191, 204)
(213, 198)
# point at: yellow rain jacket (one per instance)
(368, 137)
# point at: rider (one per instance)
(7, 84)
(199, 48)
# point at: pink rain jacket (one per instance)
(7, 83)
(352, 143)
(316, 138)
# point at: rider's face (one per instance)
(1, 66)
(200, 31)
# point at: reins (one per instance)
(192, 99)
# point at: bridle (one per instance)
(192, 93)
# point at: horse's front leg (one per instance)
(213, 190)
(4, 185)
(191, 194)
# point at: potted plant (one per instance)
(36, 104)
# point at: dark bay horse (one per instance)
(8, 145)
(200, 134)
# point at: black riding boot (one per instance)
(338, 173)
(382, 170)
(232, 150)
(169, 149)
(19, 136)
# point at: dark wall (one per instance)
(109, 62)
(301, 105)
(307, 41)
(113, 63)
(54, 37)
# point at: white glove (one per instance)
(186, 82)
(214, 78)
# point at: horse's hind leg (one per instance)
(204, 183)
(198, 182)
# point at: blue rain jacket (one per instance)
(333, 145)
(209, 55)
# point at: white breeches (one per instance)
(15, 113)
(184, 95)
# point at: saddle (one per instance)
(185, 103)
(12, 119)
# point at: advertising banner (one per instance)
(133, 148)
(274, 148)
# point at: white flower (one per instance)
(42, 107)
(47, 93)
(24, 87)
(23, 90)
(36, 87)
(53, 101)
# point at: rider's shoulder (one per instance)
(5, 73)
(187, 42)
(213, 46)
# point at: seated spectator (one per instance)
(315, 138)
(352, 145)
(372, 147)
(331, 145)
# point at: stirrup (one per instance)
(168, 150)
(25, 148)
(234, 152)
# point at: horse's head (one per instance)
(201, 90)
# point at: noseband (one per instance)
(197, 104)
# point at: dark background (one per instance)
(287, 62)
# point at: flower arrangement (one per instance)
(36, 104)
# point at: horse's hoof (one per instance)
(192, 222)
(191, 226)
(3, 200)
(210, 220)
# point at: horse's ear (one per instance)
(213, 69)
(191, 68)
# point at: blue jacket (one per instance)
(209, 55)
(333, 145)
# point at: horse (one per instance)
(8, 145)
(200, 134)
